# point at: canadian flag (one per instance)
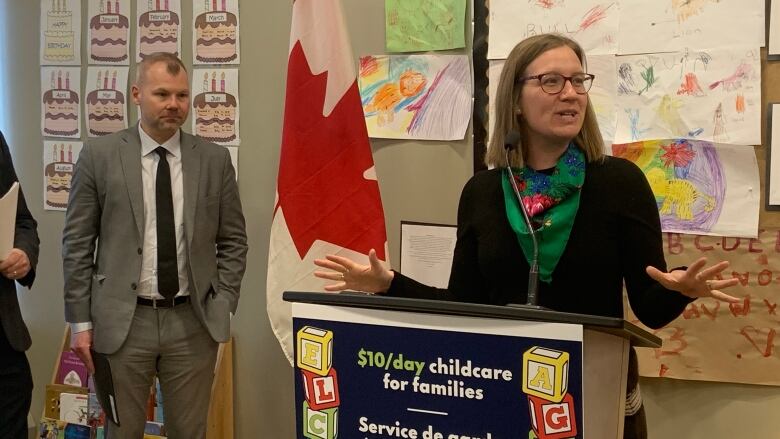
(327, 196)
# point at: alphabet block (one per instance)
(545, 373)
(322, 392)
(320, 424)
(553, 420)
(315, 350)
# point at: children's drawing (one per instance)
(158, 27)
(416, 96)
(60, 111)
(673, 25)
(422, 25)
(697, 184)
(61, 39)
(105, 104)
(109, 31)
(215, 105)
(711, 95)
(216, 32)
(593, 24)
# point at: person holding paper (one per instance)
(16, 265)
(595, 217)
(154, 250)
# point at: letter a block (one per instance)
(545, 373)
(315, 350)
(322, 392)
(553, 420)
(320, 424)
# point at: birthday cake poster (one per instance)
(105, 102)
(159, 27)
(215, 32)
(60, 41)
(61, 102)
(215, 109)
(109, 32)
(59, 162)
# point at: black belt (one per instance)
(163, 303)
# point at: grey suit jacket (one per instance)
(102, 240)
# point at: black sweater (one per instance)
(616, 234)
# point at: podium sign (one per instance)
(370, 373)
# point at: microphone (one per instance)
(510, 144)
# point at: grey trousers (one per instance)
(172, 344)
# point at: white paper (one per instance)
(61, 102)
(700, 187)
(60, 40)
(215, 38)
(774, 158)
(774, 29)
(59, 162)
(105, 102)
(8, 219)
(427, 251)
(672, 25)
(712, 95)
(233, 150)
(74, 408)
(215, 105)
(158, 27)
(593, 24)
(108, 27)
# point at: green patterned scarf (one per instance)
(551, 200)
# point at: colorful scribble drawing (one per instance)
(633, 118)
(648, 75)
(546, 4)
(740, 104)
(415, 96)
(686, 177)
(668, 112)
(743, 72)
(690, 86)
(689, 62)
(626, 83)
(686, 9)
(594, 15)
(719, 133)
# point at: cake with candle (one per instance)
(158, 29)
(215, 32)
(108, 33)
(59, 174)
(60, 107)
(58, 37)
(105, 107)
(215, 111)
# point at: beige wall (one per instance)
(420, 181)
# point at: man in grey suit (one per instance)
(17, 266)
(154, 249)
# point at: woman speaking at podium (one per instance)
(594, 218)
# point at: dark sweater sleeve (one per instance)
(642, 245)
(26, 231)
(465, 279)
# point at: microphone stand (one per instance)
(532, 300)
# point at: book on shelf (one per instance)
(71, 370)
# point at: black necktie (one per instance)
(167, 268)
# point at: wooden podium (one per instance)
(604, 360)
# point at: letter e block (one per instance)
(553, 420)
(545, 373)
(320, 424)
(315, 350)
(322, 392)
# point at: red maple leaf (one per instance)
(322, 190)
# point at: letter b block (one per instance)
(545, 373)
(315, 350)
(320, 424)
(322, 392)
(553, 420)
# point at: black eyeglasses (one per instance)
(553, 83)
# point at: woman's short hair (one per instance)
(507, 103)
